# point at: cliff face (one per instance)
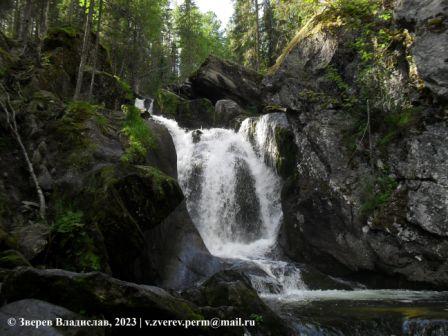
(366, 96)
(108, 176)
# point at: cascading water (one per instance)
(233, 197)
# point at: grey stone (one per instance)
(428, 19)
(218, 79)
(225, 112)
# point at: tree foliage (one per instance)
(154, 42)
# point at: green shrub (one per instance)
(68, 222)
(396, 124)
(140, 138)
(71, 241)
(377, 192)
(355, 8)
(126, 88)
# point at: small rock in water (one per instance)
(196, 135)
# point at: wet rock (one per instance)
(247, 225)
(31, 309)
(126, 202)
(272, 138)
(97, 295)
(196, 135)
(230, 293)
(425, 327)
(195, 113)
(217, 79)
(226, 111)
(325, 226)
(178, 253)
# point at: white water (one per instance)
(233, 197)
(260, 131)
(208, 176)
(358, 295)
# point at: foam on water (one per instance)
(233, 197)
(220, 170)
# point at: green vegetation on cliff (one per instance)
(140, 139)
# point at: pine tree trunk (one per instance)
(44, 19)
(95, 55)
(42, 26)
(84, 51)
(16, 20)
(134, 62)
(257, 24)
(25, 22)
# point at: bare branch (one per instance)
(11, 120)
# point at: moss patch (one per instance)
(167, 102)
(124, 201)
(140, 138)
(377, 192)
(286, 160)
(12, 259)
(72, 131)
(72, 242)
(126, 88)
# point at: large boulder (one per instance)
(63, 47)
(428, 20)
(228, 114)
(218, 79)
(272, 137)
(194, 113)
(229, 293)
(178, 252)
(96, 294)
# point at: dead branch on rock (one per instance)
(12, 124)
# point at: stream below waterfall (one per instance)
(233, 197)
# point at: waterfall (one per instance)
(261, 133)
(233, 197)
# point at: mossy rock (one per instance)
(63, 46)
(167, 103)
(98, 295)
(231, 288)
(6, 240)
(76, 243)
(45, 105)
(12, 259)
(140, 140)
(62, 51)
(286, 159)
(126, 201)
(195, 113)
(55, 78)
(110, 90)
